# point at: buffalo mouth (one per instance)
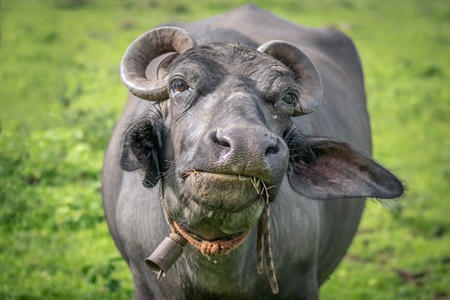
(219, 206)
(226, 192)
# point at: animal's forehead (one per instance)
(235, 58)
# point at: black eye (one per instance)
(179, 86)
(289, 98)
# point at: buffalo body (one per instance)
(229, 117)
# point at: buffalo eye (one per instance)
(179, 86)
(289, 98)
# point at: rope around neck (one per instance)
(211, 248)
(263, 239)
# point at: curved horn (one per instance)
(306, 74)
(142, 51)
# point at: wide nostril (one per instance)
(272, 150)
(243, 141)
(220, 140)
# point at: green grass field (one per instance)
(60, 96)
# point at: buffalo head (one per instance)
(220, 137)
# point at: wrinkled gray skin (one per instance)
(231, 123)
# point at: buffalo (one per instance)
(245, 143)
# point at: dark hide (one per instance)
(226, 131)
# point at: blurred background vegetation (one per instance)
(60, 96)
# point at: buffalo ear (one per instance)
(323, 169)
(140, 146)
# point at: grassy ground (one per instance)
(60, 96)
